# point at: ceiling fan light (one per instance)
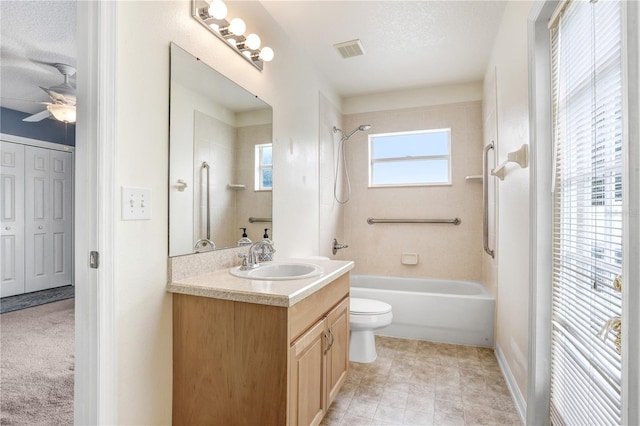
(64, 113)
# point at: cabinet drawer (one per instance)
(307, 312)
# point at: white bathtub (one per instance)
(458, 312)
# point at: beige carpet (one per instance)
(36, 357)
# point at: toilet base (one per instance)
(362, 346)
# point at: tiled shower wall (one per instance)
(445, 251)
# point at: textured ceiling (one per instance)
(34, 35)
(407, 43)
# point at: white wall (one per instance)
(288, 84)
(509, 61)
(331, 212)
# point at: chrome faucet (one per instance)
(250, 260)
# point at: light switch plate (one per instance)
(136, 203)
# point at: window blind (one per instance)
(587, 212)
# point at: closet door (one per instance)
(61, 217)
(38, 257)
(12, 215)
(48, 219)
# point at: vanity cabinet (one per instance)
(319, 364)
(240, 363)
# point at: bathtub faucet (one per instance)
(337, 246)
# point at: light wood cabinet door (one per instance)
(337, 356)
(307, 399)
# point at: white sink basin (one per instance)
(276, 271)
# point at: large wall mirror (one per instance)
(220, 159)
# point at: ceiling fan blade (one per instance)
(38, 117)
(56, 98)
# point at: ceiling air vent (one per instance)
(349, 49)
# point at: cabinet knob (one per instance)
(7, 228)
(40, 227)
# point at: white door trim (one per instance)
(540, 214)
(541, 220)
(36, 142)
(96, 351)
(631, 209)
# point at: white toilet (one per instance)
(366, 315)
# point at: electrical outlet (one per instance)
(136, 203)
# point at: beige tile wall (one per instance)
(445, 251)
(489, 106)
(250, 202)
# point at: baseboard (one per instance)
(516, 395)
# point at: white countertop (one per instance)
(222, 285)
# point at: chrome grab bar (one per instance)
(259, 219)
(204, 241)
(485, 200)
(455, 221)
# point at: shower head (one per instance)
(360, 128)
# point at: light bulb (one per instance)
(253, 42)
(237, 26)
(64, 113)
(215, 27)
(231, 41)
(218, 9)
(247, 53)
(266, 54)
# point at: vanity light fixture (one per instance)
(213, 16)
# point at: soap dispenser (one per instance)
(244, 240)
(265, 254)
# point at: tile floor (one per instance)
(423, 383)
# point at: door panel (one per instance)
(12, 218)
(38, 259)
(58, 253)
(61, 224)
(307, 403)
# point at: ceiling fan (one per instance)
(63, 99)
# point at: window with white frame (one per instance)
(586, 371)
(410, 158)
(264, 167)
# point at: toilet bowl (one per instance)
(366, 315)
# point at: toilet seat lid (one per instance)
(368, 306)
